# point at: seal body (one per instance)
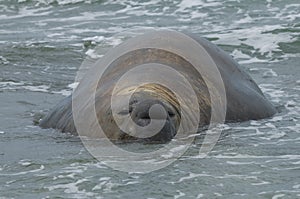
(245, 101)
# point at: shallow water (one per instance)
(42, 44)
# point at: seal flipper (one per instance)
(60, 117)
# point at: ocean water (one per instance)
(42, 45)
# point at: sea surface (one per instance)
(44, 42)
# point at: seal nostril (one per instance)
(144, 116)
(125, 111)
(132, 102)
(143, 122)
(171, 114)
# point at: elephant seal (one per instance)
(244, 100)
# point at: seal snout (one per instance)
(150, 114)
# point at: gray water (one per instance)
(42, 44)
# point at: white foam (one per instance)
(10, 83)
(173, 151)
(237, 54)
(260, 183)
(65, 2)
(63, 92)
(41, 88)
(55, 35)
(200, 195)
(75, 168)
(27, 12)
(72, 188)
(255, 123)
(278, 196)
(104, 178)
(259, 37)
(274, 93)
(218, 194)
(290, 55)
(114, 41)
(243, 20)
(270, 125)
(106, 185)
(197, 14)
(94, 39)
(298, 162)
(179, 195)
(275, 135)
(269, 73)
(253, 60)
(192, 176)
(246, 156)
(276, 119)
(93, 54)
(80, 19)
(297, 186)
(289, 12)
(73, 85)
(3, 60)
(188, 4)
(99, 186)
(239, 163)
(136, 8)
(291, 103)
(42, 167)
(59, 2)
(25, 163)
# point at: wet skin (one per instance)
(245, 101)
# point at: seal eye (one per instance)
(171, 113)
(132, 102)
(126, 111)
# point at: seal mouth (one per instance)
(149, 112)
